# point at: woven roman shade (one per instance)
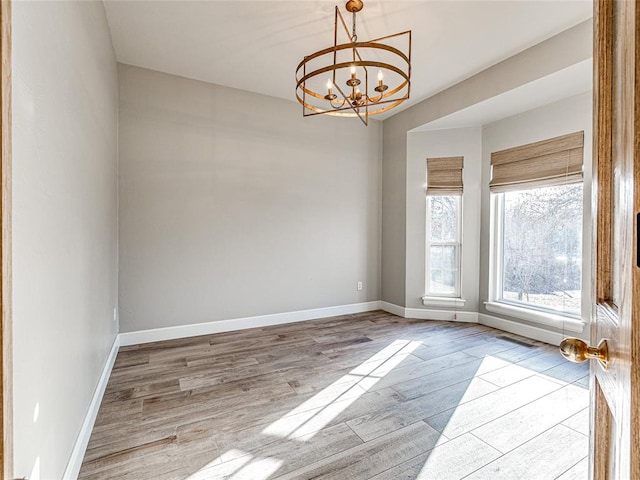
(444, 176)
(557, 161)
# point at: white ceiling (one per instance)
(256, 45)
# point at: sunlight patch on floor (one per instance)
(244, 466)
(461, 452)
(258, 469)
(454, 459)
(303, 422)
(466, 416)
(497, 385)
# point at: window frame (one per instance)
(549, 316)
(456, 294)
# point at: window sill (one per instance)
(544, 318)
(450, 302)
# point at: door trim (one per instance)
(6, 357)
(635, 280)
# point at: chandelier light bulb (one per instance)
(353, 75)
(353, 81)
(330, 95)
(381, 88)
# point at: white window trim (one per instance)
(495, 262)
(570, 324)
(497, 305)
(443, 299)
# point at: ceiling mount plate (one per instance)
(354, 6)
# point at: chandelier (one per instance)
(338, 80)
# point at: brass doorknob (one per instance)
(577, 350)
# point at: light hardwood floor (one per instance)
(367, 396)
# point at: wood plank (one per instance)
(543, 361)
(525, 423)
(127, 442)
(156, 467)
(298, 453)
(546, 456)
(123, 436)
(431, 382)
(125, 456)
(373, 457)
(379, 422)
(567, 372)
(521, 353)
(316, 414)
(208, 378)
(476, 413)
(226, 407)
(243, 394)
(404, 373)
(452, 460)
(130, 359)
(579, 422)
(490, 348)
(126, 411)
(580, 471)
(508, 375)
(441, 346)
(141, 391)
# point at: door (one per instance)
(6, 454)
(615, 316)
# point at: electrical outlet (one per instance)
(359, 286)
(115, 314)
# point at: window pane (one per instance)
(442, 260)
(542, 247)
(444, 219)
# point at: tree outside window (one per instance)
(542, 247)
(443, 245)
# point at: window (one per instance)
(536, 242)
(539, 251)
(443, 245)
(444, 194)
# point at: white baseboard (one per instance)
(447, 315)
(426, 314)
(392, 308)
(529, 331)
(80, 447)
(208, 328)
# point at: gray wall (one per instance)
(567, 116)
(232, 205)
(64, 224)
(563, 50)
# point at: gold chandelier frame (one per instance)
(354, 103)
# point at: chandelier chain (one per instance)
(354, 36)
